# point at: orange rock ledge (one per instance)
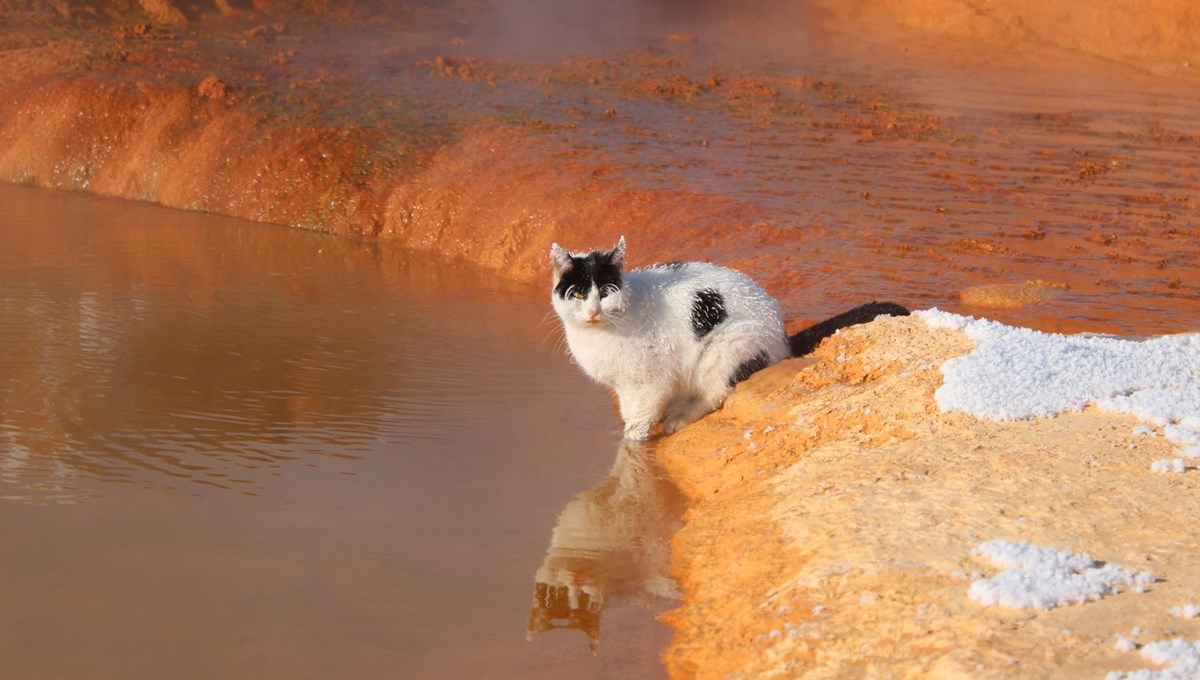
(834, 509)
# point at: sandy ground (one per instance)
(834, 511)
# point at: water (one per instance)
(236, 450)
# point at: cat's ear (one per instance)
(560, 257)
(617, 255)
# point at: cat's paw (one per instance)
(637, 432)
(683, 414)
(674, 425)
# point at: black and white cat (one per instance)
(672, 340)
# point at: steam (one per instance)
(576, 26)
(775, 29)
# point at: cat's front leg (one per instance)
(641, 407)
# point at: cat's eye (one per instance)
(608, 289)
(578, 294)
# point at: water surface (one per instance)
(236, 450)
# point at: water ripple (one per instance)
(229, 365)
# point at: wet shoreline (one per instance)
(1056, 199)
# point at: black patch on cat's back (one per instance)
(749, 367)
(708, 311)
(595, 268)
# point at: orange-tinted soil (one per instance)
(834, 509)
(832, 169)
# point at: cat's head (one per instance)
(588, 287)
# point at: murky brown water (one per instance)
(234, 450)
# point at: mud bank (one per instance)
(835, 511)
(267, 113)
(789, 142)
(496, 195)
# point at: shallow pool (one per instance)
(236, 450)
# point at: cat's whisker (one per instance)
(557, 335)
(617, 321)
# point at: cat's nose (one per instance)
(593, 313)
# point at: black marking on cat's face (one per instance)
(585, 271)
(749, 367)
(708, 311)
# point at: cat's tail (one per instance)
(807, 340)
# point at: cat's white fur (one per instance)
(639, 340)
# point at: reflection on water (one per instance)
(231, 450)
(165, 356)
(612, 541)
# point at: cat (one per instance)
(673, 340)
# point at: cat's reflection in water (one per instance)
(611, 541)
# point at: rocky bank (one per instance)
(835, 510)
